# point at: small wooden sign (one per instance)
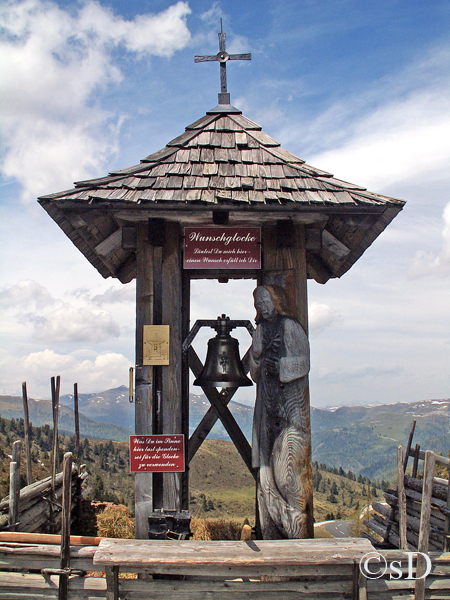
(157, 453)
(222, 248)
(156, 345)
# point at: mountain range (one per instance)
(362, 439)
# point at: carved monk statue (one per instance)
(281, 449)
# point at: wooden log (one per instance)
(424, 538)
(438, 491)
(77, 424)
(401, 499)
(20, 537)
(40, 556)
(416, 461)
(413, 522)
(26, 423)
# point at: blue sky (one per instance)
(361, 89)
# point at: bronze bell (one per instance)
(223, 366)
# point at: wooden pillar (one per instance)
(171, 393)
(284, 264)
(144, 374)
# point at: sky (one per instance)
(359, 89)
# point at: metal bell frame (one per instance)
(223, 326)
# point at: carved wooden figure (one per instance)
(279, 363)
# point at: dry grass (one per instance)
(215, 529)
(115, 522)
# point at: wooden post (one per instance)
(26, 423)
(144, 374)
(77, 424)
(14, 486)
(401, 499)
(424, 531)
(55, 385)
(447, 518)
(171, 409)
(416, 461)
(408, 446)
(65, 526)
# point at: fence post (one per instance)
(401, 499)
(26, 423)
(14, 486)
(65, 527)
(424, 529)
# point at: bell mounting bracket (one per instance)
(222, 324)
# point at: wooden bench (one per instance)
(323, 568)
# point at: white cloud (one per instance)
(321, 316)
(124, 294)
(427, 264)
(52, 62)
(73, 324)
(25, 293)
(106, 371)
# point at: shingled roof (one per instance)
(222, 161)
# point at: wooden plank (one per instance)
(26, 423)
(229, 557)
(143, 374)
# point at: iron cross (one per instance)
(222, 57)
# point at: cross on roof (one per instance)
(222, 57)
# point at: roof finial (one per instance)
(222, 57)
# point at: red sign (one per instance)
(222, 248)
(156, 453)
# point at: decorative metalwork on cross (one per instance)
(223, 57)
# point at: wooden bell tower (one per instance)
(222, 172)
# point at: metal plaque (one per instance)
(156, 345)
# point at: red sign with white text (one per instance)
(222, 248)
(157, 453)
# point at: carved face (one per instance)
(265, 305)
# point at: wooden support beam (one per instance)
(171, 405)
(331, 244)
(144, 375)
(111, 244)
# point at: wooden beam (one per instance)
(331, 244)
(144, 376)
(110, 244)
(26, 423)
(171, 404)
(424, 531)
